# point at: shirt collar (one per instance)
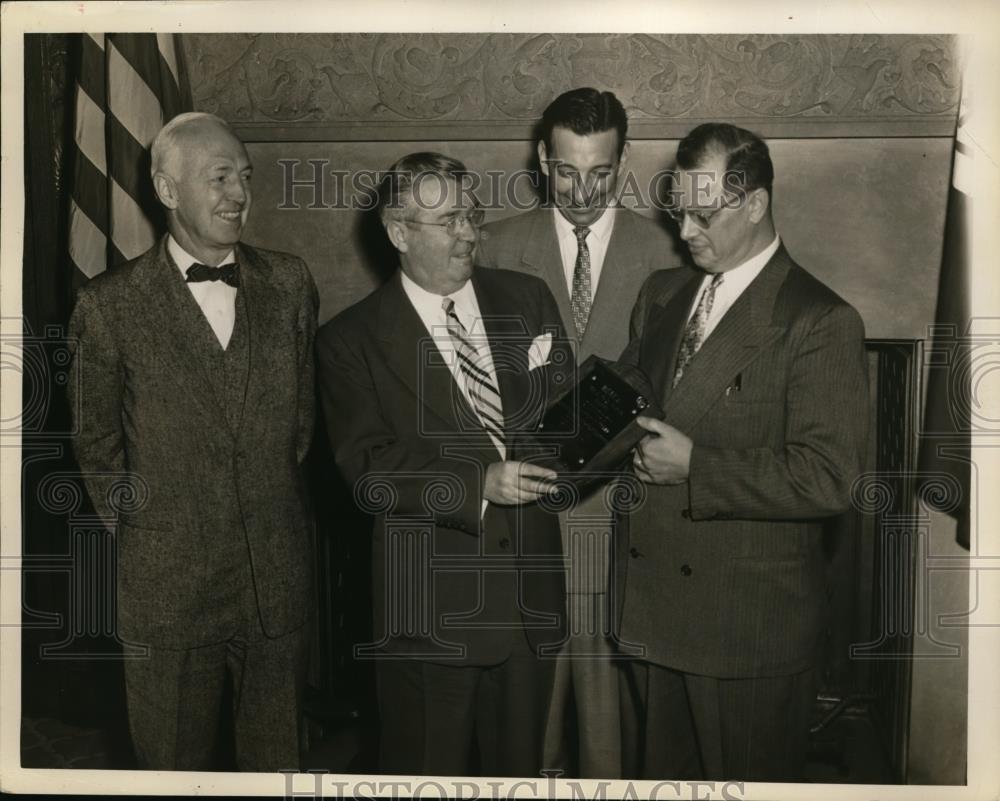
(600, 228)
(429, 305)
(740, 277)
(183, 259)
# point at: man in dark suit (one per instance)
(195, 381)
(594, 255)
(425, 385)
(763, 379)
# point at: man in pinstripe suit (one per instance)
(763, 380)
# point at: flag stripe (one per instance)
(131, 99)
(129, 161)
(153, 57)
(170, 91)
(91, 77)
(89, 133)
(127, 85)
(132, 232)
(117, 257)
(166, 44)
(90, 192)
(141, 52)
(88, 247)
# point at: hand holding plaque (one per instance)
(590, 430)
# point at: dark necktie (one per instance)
(579, 299)
(694, 332)
(227, 273)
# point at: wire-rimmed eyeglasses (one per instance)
(454, 225)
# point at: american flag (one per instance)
(128, 85)
(946, 441)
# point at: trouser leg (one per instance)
(267, 691)
(510, 714)
(174, 698)
(595, 688)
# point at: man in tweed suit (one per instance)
(196, 381)
(594, 255)
(425, 385)
(763, 380)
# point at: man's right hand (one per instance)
(512, 483)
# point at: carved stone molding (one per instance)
(360, 86)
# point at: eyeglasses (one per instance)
(701, 218)
(454, 226)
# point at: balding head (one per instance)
(170, 141)
(201, 173)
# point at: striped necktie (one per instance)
(480, 385)
(579, 300)
(694, 332)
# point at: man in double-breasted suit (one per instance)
(594, 255)
(425, 385)
(195, 380)
(763, 379)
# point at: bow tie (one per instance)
(228, 273)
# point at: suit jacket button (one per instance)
(505, 543)
(634, 553)
(686, 570)
(686, 513)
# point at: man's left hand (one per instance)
(664, 454)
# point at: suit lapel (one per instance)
(182, 334)
(506, 336)
(543, 258)
(412, 355)
(262, 325)
(662, 337)
(610, 297)
(741, 336)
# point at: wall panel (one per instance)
(864, 215)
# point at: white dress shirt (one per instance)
(429, 308)
(216, 299)
(597, 244)
(734, 283)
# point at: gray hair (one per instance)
(164, 144)
(394, 192)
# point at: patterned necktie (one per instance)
(479, 384)
(227, 273)
(579, 299)
(694, 333)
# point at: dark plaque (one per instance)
(589, 432)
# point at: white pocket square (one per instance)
(538, 353)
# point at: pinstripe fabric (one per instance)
(726, 578)
(128, 85)
(722, 577)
